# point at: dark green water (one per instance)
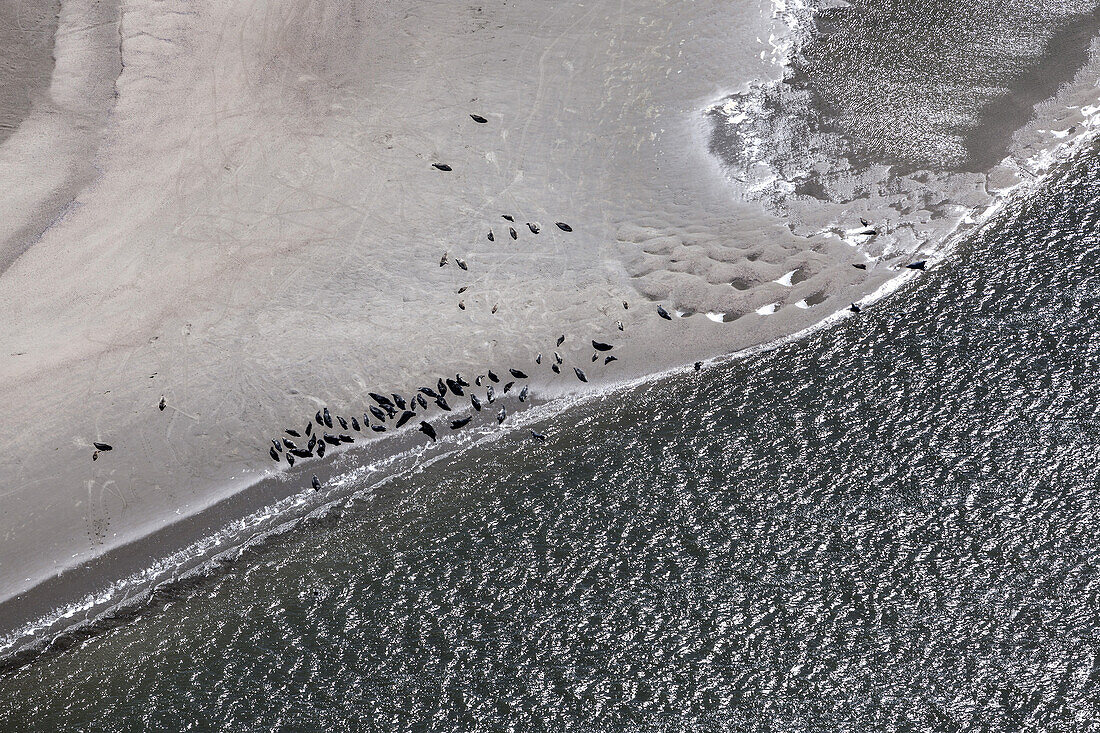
(891, 525)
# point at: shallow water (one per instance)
(892, 524)
(898, 112)
(932, 85)
(947, 82)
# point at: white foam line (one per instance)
(187, 563)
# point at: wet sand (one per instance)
(260, 232)
(27, 29)
(50, 154)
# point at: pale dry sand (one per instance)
(238, 211)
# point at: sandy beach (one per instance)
(233, 207)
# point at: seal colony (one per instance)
(265, 233)
(385, 411)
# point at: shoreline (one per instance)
(43, 616)
(46, 615)
(305, 301)
(647, 360)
